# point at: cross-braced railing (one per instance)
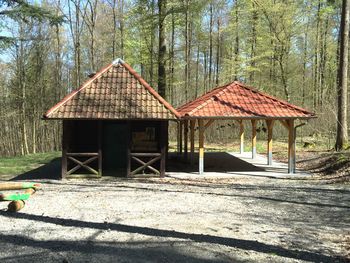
(84, 164)
(151, 159)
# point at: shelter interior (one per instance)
(92, 148)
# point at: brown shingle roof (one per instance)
(236, 100)
(116, 92)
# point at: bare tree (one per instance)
(342, 126)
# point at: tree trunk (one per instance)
(210, 43)
(218, 53)
(342, 126)
(121, 27)
(253, 44)
(305, 45)
(316, 57)
(187, 63)
(172, 61)
(114, 33)
(236, 43)
(162, 48)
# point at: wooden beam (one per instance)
(269, 124)
(185, 139)
(82, 154)
(163, 146)
(241, 136)
(128, 150)
(209, 122)
(65, 131)
(201, 146)
(100, 131)
(253, 139)
(285, 124)
(192, 126)
(180, 136)
(291, 147)
(146, 154)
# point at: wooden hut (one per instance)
(114, 124)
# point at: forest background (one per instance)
(286, 48)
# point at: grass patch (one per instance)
(21, 164)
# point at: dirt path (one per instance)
(172, 220)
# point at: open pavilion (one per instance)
(236, 101)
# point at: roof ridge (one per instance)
(150, 89)
(74, 92)
(274, 98)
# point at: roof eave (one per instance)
(188, 117)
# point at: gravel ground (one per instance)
(178, 220)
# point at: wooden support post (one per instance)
(128, 152)
(269, 124)
(100, 134)
(291, 145)
(192, 126)
(65, 142)
(164, 136)
(185, 139)
(253, 139)
(180, 137)
(201, 146)
(241, 136)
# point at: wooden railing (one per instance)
(145, 164)
(74, 157)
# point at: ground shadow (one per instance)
(214, 162)
(220, 162)
(51, 170)
(154, 232)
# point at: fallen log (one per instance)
(18, 186)
(14, 196)
(15, 206)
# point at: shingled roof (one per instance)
(115, 92)
(236, 100)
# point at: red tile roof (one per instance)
(236, 100)
(115, 92)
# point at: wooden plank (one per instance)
(253, 139)
(82, 154)
(291, 145)
(145, 154)
(185, 139)
(83, 176)
(201, 146)
(64, 167)
(192, 126)
(241, 136)
(269, 124)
